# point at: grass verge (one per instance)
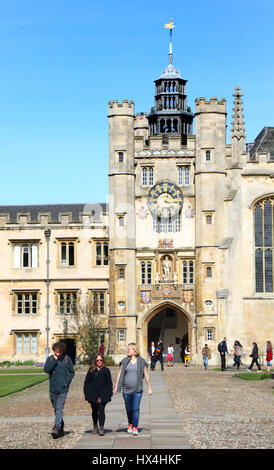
(22, 371)
(252, 376)
(12, 384)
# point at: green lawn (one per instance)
(253, 376)
(22, 371)
(12, 384)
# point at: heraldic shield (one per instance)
(145, 296)
(187, 296)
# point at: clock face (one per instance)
(165, 200)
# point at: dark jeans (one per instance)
(255, 361)
(58, 401)
(98, 413)
(155, 360)
(237, 360)
(222, 361)
(132, 402)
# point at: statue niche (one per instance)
(166, 268)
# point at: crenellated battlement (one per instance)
(124, 108)
(212, 106)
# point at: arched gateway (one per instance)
(170, 323)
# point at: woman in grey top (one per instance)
(133, 369)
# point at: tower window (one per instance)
(188, 272)
(121, 157)
(209, 219)
(208, 271)
(146, 272)
(208, 156)
(147, 176)
(184, 175)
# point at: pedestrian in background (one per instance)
(151, 350)
(170, 355)
(269, 355)
(206, 356)
(238, 351)
(187, 356)
(133, 369)
(158, 356)
(98, 391)
(222, 348)
(61, 372)
(255, 355)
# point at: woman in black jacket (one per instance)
(255, 356)
(98, 390)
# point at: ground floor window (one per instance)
(26, 343)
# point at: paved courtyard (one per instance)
(190, 409)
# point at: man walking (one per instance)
(61, 371)
(158, 356)
(222, 348)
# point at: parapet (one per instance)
(212, 106)
(117, 109)
(140, 121)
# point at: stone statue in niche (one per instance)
(166, 269)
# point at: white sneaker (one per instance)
(248, 370)
(260, 371)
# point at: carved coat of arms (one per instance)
(145, 296)
(166, 290)
(187, 296)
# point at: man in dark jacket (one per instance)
(158, 356)
(61, 371)
(222, 348)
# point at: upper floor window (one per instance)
(184, 175)
(146, 271)
(99, 302)
(121, 273)
(208, 155)
(165, 225)
(25, 255)
(67, 253)
(120, 157)
(67, 302)
(188, 272)
(264, 244)
(26, 303)
(101, 253)
(209, 219)
(208, 271)
(147, 176)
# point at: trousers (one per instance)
(155, 360)
(58, 401)
(132, 403)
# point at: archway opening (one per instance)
(70, 348)
(171, 326)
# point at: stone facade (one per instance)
(176, 255)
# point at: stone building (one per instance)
(183, 252)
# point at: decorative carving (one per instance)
(143, 213)
(145, 296)
(166, 265)
(187, 296)
(166, 291)
(165, 243)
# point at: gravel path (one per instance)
(26, 417)
(217, 411)
(221, 411)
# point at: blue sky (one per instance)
(61, 61)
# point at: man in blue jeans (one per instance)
(61, 372)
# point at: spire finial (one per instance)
(170, 26)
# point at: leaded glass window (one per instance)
(264, 244)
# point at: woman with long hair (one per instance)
(133, 369)
(269, 355)
(238, 350)
(98, 390)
